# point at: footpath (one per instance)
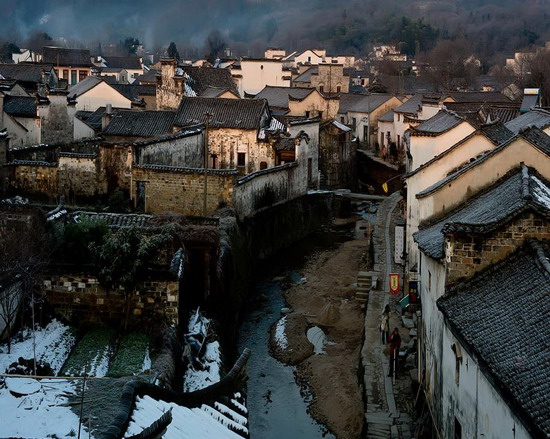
(389, 404)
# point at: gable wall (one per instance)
(99, 96)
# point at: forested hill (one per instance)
(346, 26)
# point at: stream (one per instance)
(276, 403)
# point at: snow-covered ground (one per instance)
(199, 379)
(44, 413)
(53, 345)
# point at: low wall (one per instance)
(181, 190)
(264, 189)
(80, 299)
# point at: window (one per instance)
(398, 117)
(241, 158)
(66, 74)
(263, 165)
(398, 140)
(309, 59)
(74, 76)
(353, 123)
(321, 88)
(321, 114)
(82, 74)
(307, 113)
(429, 280)
(338, 89)
(366, 134)
(214, 158)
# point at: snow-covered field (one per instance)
(41, 414)
(53, 346)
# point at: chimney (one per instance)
(106, 119)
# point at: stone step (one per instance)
(362, 294)
(363, 289)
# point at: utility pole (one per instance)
(207, 117)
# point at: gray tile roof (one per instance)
(140, 123)
(248, 114)
(478, 96)
(25, 72)
(501, 317)
(20, 106)
(278, 97)
(412, 106)
(123, 62)
(387, 117)
(306, 76)
(538, 139)
(362, 103)
(214, 92)
(538, 117)
(59, 56)
(438, 124)
(149, 76)
(483, 213)
(115, 220)
(200, 78)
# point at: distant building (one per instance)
(73, 65)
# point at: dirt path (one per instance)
(332, 377)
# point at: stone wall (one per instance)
(180, 190)
(331, 77)
(177, 150)
(34, 178)
(77, 175)
(467, 255)
(80, 299)
(170, 88)
(266, 188)
(57, 119)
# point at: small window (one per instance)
(73, 77)
(309, 169)
(263, 165)
(321, 114)
(261, 67)
(429, 280)
(241, 158)
(309, 59)
(82, 74)
(353, 123)
(342, 119)
(398, 117)
(321, 88)
(307, 113)
(66, 74)
(338, 89)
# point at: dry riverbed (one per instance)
(326, 300)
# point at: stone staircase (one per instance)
(366, 280)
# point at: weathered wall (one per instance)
(266, 188)
(34, 178)
(226, 143)
(181, 190)
(57, 120)
(80, 299)
(467, 255)
(182, 151)
(170, 89)
(331, 78)
(337, 159)
(22, 130)
(77, 175)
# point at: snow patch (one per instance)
(280, 336)
(541, 192)
(199, 379)
(53, 345)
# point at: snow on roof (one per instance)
(202, 422)
(341, 126)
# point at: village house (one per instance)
(73, 65)
(32, 77)
(236, 131)
(274, 53)
(361, 112)
(337, 156)
(470, 258)
(294, 101)
(253, 74)
(93, 92)
(26, 55)
(326, 78)
(131, 65)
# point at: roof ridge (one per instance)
(525, 180)
(536, 245)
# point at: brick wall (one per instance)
(467, 255)
(34, 178)
(77, 175)
(181, 190)
(80, 299)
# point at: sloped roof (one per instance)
(215, 92)
(84, 86)
(115, 220)
(123, 62)
(478, 96)
(496, 132)
(386, 117)
(226, 113)
(412, 106)
(140, 123)
(487, 211)
(24, 72)
(438, 124)
(536, 137)
(306, 76)
(20, 106)
(93, 118)
(278, 97)
(59, 56)
(501, 317)
(149, 76)
(362, 103)
(537, 117)
(200, 78)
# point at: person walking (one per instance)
(395, 345)
(385, 325)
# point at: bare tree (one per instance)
(539, 68)
(450, 65)
(25, 248)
